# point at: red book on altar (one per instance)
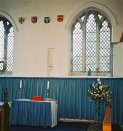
(37, 98)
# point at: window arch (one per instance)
(91, 50)
(6, 45)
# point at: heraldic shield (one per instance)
(60, 18)
(21, 20)
(46, 20)
(34, 19)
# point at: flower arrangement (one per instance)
(99, 93)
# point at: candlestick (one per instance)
(48, 83)
(20, 83)
(48, 89)
(20, 90)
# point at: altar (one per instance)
(34, 113)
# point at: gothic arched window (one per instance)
(91, 44)
(6, 45)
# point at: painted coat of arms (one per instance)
(46, 20)
(34, 19)
(60, 18)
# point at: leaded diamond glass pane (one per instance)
(6, 45)
(105, 47)
(1, 45)
(10, 50)
(90, 44)
(77, 48)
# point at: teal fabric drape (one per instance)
(71, 94)
(33, 87)
(35, 113)
(73, 99)
(12, 85)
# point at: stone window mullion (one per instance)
(84, 46)
(111, 59)
(71, 52)
(97, 45)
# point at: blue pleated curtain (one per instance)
(71, 94)
(12, 85)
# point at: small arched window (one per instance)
(6, 45)
(91, 44)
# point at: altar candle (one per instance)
(48, 85)
(20, 83)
